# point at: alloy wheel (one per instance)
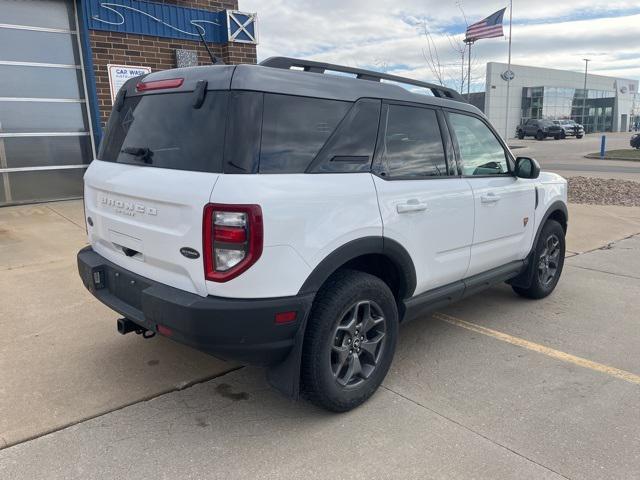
(549, 260)
(358, 343)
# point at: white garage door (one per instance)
(45, 133)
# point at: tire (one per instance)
(539, 135)
(556, 137)
(578, 136)
(348, 302)
(546, 270)
(563, 135)
(520, 135)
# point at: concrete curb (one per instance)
(597, 157)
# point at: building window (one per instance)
(589, 107)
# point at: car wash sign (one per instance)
(170, 21)
(119, 74)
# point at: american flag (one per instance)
(490, 27)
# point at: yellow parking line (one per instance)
(550, 352)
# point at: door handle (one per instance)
(411, 206)
(490, 198)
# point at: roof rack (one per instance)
(287, 63)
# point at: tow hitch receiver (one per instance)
(127, 326)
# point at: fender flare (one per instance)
(356, 248)
(526, 277)
(285, 376)
(558, 205)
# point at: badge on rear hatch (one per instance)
(189, 252)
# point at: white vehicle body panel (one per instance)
(306, 217)
(551, 188)
(433, 220)
(154, 211)
(504, 221)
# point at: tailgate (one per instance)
(143, 217)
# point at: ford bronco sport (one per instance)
(278, 215)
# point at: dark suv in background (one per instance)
(540, 129)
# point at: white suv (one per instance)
(281, 216)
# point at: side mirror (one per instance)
(527, 168)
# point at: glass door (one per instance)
(46, 140)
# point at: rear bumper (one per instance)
(231, 329)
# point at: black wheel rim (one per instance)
(358, 343)
(549, 260)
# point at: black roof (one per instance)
(275, 75)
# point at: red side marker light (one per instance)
(159, 84)
(284, 318)
(166, 331)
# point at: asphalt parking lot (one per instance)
(493, 387)
(567, 157)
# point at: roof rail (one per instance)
(286, 63)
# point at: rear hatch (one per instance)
(159, 160)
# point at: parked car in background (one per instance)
(570, 128)
(540, 129)
(635, 141)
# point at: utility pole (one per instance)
(584, 99)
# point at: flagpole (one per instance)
(506, 116)
(469, 42)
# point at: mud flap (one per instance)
(285, 376)
(524, 279)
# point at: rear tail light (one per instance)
(232, 240)
(159, 84)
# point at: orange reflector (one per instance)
(283, 318)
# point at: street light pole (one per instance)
(584, 99)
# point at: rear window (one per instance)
(166, 131)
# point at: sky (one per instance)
(390, 35)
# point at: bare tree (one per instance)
(452, 73)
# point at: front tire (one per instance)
(539, 135)
(521, 136)
(548, 260)
(349, 341)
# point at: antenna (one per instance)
(214, 59)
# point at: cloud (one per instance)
(380, 34)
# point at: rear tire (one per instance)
(520, 135)
(548, 260)
(539, 135)
(349, 342)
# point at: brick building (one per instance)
(62, 61)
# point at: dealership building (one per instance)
(62, 61)
(608, 104)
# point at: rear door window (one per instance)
(166, 131)
(412, 145)
(294, 129)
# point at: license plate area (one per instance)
(126, 288)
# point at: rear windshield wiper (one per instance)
(143, 153)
